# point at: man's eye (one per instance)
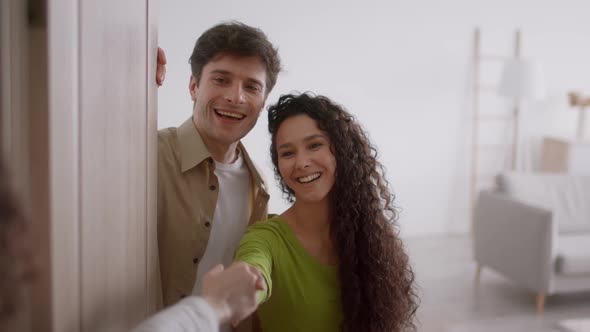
(253, 87)
(219, 80)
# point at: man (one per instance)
(208, 188)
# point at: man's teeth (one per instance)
(309, 178)
(231, 115)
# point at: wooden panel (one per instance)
(5, 82)
(14, 133)
(38, 130)
(14, 128)
(113, 163)
(64, 146)
(153, 269)
(76, 124)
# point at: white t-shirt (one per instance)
(230, 219)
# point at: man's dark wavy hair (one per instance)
(376, 280)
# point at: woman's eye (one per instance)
(286, 154)
(314, 146)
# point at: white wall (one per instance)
(403, 67)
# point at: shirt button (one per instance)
(212, 187)
(195, 260)
(207, 224)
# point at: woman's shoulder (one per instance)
(274, 222)
(273, 227)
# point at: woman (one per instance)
(333, 261)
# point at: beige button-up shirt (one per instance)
(187, 196)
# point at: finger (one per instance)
(216, 270)
(160, 74)
(260, 283)
(161, 77)
(161, 56)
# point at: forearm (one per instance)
(256, 254)
(190, 314)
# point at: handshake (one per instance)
(227, 296)
(232, 292)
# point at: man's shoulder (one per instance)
(167, 141)
(168, 151)
(253, 167)
(167, 135)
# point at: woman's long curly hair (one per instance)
(376, 280)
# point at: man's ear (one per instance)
(193, 87)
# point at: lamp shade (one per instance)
(522, 78)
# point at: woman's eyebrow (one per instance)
(305, 139)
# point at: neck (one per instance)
(312, 217)
(221, 152)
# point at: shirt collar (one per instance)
(192, 148)
(251, 166)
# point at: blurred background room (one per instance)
(478, 110)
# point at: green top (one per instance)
(303, 294)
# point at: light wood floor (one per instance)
(450, 303)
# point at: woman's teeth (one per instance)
(309, 178)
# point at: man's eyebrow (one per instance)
(220, 71)
(226, 72)
(306, 139)
(255, 81)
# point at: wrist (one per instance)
(219, 307)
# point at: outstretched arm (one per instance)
(232, 293)
(227, 295)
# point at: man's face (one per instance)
(228, 98)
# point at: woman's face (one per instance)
(306, 162)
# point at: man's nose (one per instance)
(235, 94)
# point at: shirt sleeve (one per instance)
(192, 314)
(255, 250)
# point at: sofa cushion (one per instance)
(573, 254)
(566, 196)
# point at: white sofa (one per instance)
(534, 228)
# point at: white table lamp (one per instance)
(521, 79)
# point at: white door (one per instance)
(79, 128)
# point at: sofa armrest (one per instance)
(515, 239)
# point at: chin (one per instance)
(311, 198)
